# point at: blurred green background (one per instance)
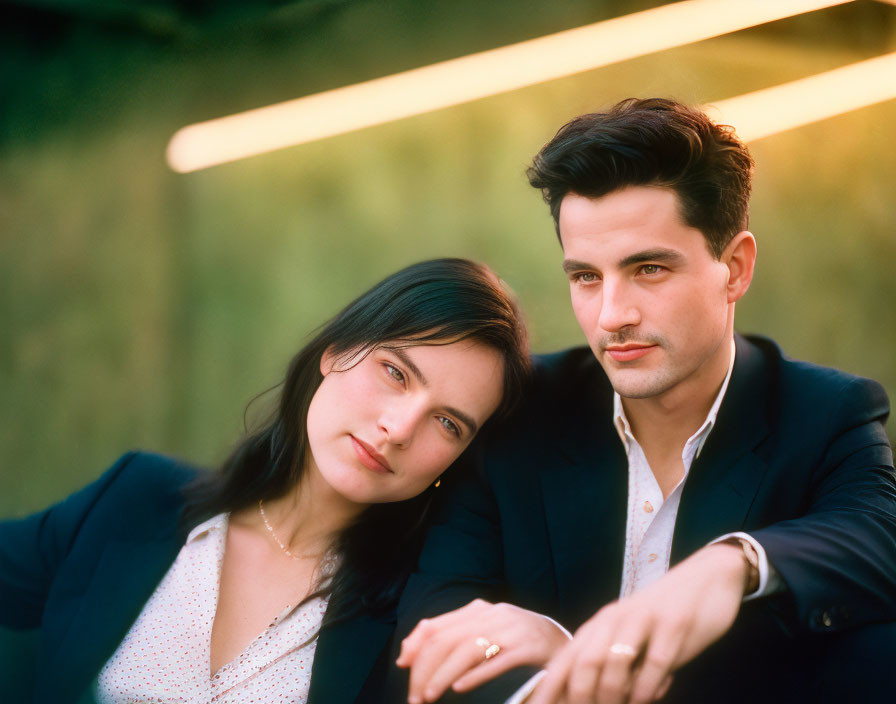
(142, 308)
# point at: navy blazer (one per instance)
(82, 570)
(798, 458)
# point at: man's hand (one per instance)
(443, 652)
(629, 649)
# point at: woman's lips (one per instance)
(369, 457)
(629, 354)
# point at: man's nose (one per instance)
(618, 309)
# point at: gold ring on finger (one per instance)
(623, 649)
(491, 649)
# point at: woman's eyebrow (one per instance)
(415, 370)
(406, 360)
(463, 418)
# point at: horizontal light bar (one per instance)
(783, 107)
(469, 78)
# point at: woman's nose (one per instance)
(400, 421)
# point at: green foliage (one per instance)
(141, 308)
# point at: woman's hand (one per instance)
(450, 650)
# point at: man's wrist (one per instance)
(729, 563)
(751, 563)
(769, 579)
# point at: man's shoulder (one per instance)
(569, 360)
(566, 387)
(796, 372)
(802, 386)
(571, 370)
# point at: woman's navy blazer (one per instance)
(81, 571)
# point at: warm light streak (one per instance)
(469, 78)
(783, 107)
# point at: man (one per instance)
(765, 484)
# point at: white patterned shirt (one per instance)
(165, 657)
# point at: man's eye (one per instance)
(449, 425)
(585, 277)
(651, 269)
(395, 373)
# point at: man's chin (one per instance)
(647, 386)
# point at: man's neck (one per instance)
(663, 424)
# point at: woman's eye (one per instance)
(395, 373)
(449, 425)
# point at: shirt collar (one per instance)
(625, 432)
(215, 523)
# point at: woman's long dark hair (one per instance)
(430, 303)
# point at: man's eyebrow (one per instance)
(659, 255)
(571, 265)
(471, 424)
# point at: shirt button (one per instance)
(648, 507)
(652, 557)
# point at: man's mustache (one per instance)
(622, 338)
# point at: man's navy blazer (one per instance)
(798, 458)
(82, 570)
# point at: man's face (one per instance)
(648, 294)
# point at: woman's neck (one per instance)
(308, 519)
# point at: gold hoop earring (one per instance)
(438, 481)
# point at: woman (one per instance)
(279, 574)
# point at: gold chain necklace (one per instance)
(327, 562)
(274, 535)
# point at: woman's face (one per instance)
(384, 428)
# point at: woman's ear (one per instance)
(331, 361)
(740, 258)
(327, 361)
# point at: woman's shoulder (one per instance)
(139, 497)
(139, 488)
(147, 479)
(152, 469)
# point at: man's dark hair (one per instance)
(652, 142)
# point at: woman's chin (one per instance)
(370, 492)
(359, 486)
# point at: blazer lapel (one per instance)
(126, 575)
(585, 486)
(345, 655)
(725, 478)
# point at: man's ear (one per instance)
(740, 258)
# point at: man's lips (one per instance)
(369, 457)
(628, 353)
